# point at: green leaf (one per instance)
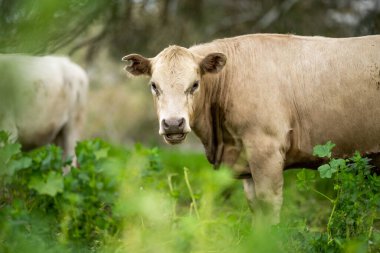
(4, 137)
(51, 186)
(8, 151)
(323, 150)
(16, 165)
(325, 171)
(101, 153)
(8, 166)
(99, 185)
(335, 164)
(305, 179)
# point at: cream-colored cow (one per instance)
(261, 102)
(42, 100)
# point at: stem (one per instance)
(371, 228)
(171, 188)
(194, 203)
(370, 232)
(329, 223)
(331, 215)
(142, 222)
(320, 193)
(170, 183)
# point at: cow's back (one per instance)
(47, 90)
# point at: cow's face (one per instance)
(176, 85)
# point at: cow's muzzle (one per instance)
(174, 130)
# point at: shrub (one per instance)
(355, 206)
(75, 208)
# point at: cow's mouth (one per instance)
(174, 138)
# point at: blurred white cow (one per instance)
(42, 100)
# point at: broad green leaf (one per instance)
(8, 151)
(335, 164)
(325, 171)
(102, 153)
(73, 198)
(84, 177)
(323, 150)
(15, 165)
(51, 186)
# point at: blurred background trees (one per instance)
(98, 33)
(149, 25)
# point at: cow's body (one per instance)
(49, 98)
(278, 96)
(300, 90)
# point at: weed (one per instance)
(355, 206)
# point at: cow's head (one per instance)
(176, 85)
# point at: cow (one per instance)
(260, 103)
(42, 100)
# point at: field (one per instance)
(155, 200)
(119, 196)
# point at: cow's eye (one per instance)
(154, 88)
(194, 87)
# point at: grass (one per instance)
(153, 200)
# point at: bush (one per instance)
(77, 206)
(355, 206)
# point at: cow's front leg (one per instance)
(266, 161)
(249, 190)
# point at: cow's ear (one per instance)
(137, 65)
(213, 63)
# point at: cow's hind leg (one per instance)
(70, 132)
(66, 139)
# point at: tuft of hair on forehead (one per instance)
(173, 54)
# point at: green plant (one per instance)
(77, 206)
(355, 206)
(144, 200)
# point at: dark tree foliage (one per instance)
(146, 26)
(43, 26)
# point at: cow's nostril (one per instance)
(165, 124)
(181, 123)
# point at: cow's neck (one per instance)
(210, 115)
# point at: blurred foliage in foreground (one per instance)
(144, 201)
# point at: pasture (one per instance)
(127, 191)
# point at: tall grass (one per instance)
(150, 200)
